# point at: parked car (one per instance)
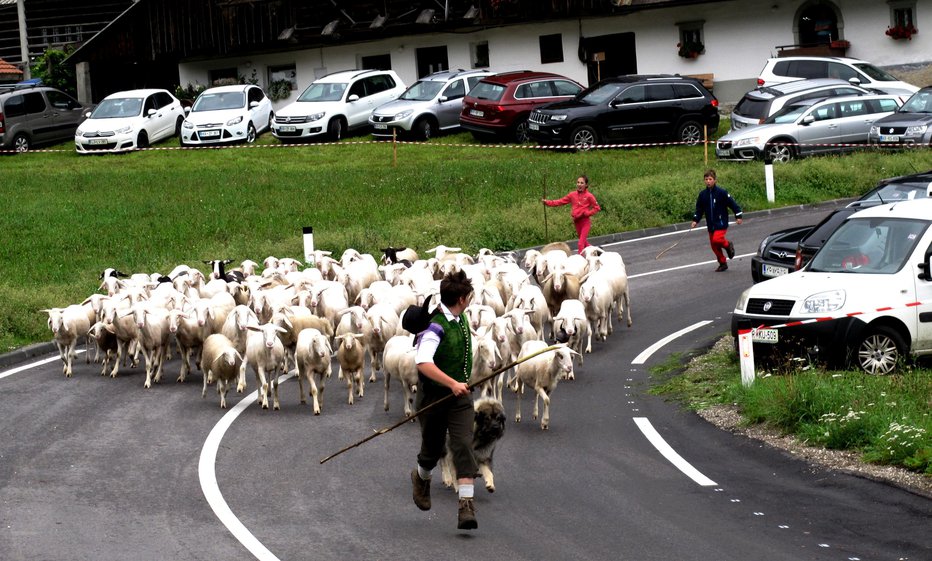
(910, 125)
(33, 115)
(499, 105)
(628, 108)
(128, 120)
(789, 250)
(836, 307)
(762, 102)
(430, 105)
(336, 103)
(811, 126)
(227, 114)
(857, 72)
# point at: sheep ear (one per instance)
(280, 330)
(253, 327)
(548, 277)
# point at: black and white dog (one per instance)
(488, 429)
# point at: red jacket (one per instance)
(584, 204)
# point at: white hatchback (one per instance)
(129, 120)
(336, 103)
(227, 114)
(852, 70)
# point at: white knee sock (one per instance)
(423, 473)
(466, 491)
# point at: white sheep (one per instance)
(541, 373)
(351, 354)
(312, 356)
(152, 323)
(125, 330)
(596, 294)
(530, 297)
(266, 355)
(384, 323)
(190, 338)
(399, 363)
(67, 324)
(106, 343)
(572, 320)
(612, 265)
(479, 316)
(559, 286)
(328, 299)
(220, 362)
(486, 359)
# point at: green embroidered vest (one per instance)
(454, 354)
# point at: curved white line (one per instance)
(645, 354)
(208, 476)
(670, 454)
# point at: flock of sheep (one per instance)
(281, 317)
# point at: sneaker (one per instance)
(467, 515)
(730, 250)
(421, 490)
(722, 267)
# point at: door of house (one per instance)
(817, 25)
(430, 60)
(617, 53)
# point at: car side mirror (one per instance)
(352, 98)
(854, 81)
(88, 114)
(253, 104)
(150, 112)
(808, 120)
(925, 269)
(187, 110)
(442, 99)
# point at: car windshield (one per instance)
(425, 90)
(600, 93)
(874, 72)
(788, 114)
(869, 245)
(117, 108)
(895, 192)
(219, 101)
(920, 102)
(323, 91)
(488, 91)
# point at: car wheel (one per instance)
(335, 129)
(178, 125)
(424, 128)
(250, 134)
(584, 137)
(781, 153)
(142, 141)
(689, 133)
(521, 132)
(879, 350)
(21, 143)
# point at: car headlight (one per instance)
(124, 130)
(824, 302)
(558, 117)
(402, 115)
(79, 132)
(746, 141)
(316, 116)
(743, 300)
(235, 121)
(875, 130)
(187, 125)
(917, 129)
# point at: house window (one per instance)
(691, 34)
(287, 72)
(479, 52)
(223, 76)
(376, 62)
(551, 48)
(903, 13)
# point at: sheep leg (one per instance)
(69, 351)
(159, 355)
(388, 378)
(315, 392)
(448, 472)
(273, 382)
(146, 356)
(134, 348)
(519, 391)
(589, 340)
(222, 390)
(204, 383)
(545, 420)
(241, 379)
(627, 298)
(485, 471)
(120, 355)
(409, 398)
(360, 384)
(301, 375)
(185, 365)
(374, 364)
(349, 384)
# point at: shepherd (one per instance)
(584, 206)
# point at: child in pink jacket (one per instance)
(583, 207)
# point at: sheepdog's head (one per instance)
(490, 418)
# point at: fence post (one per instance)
(746, 353)
(705, 142)
(768, 178)
(308, 232)
(394, 148)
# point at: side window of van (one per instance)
(15, 106)
(826, 112)
(562, 87)
(842, 72)
(659, 92)
(882, 105)
(809, 69)
(634, 94)
(455, 90)
(60, 100)
(34, 102)
(359, 88)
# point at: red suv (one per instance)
(499, 105)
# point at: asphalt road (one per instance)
(99, 468)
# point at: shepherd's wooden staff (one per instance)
(674, 243)
(419, 412)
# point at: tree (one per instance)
(49, 68)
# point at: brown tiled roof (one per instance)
(7, 68)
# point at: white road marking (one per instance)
(700, 264)
(670, 454)
(19, 369)
(208, 477)
(663, 235)
(645, 354)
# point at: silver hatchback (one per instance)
(430, 105)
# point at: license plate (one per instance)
(773, 271)
(533, 127)
(889, 138)
(209, 134)
(286, 128)
(764, 335)
(380, 126)
(97, 141)
(722, 153)
(476, 113)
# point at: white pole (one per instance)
(746, 356)
(768, 177)
(309, 245)
(23, 39)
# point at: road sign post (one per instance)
(309, 244)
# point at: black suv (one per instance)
(629, 108)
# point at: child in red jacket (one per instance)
(583, 207)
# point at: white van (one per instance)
(864, 298)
